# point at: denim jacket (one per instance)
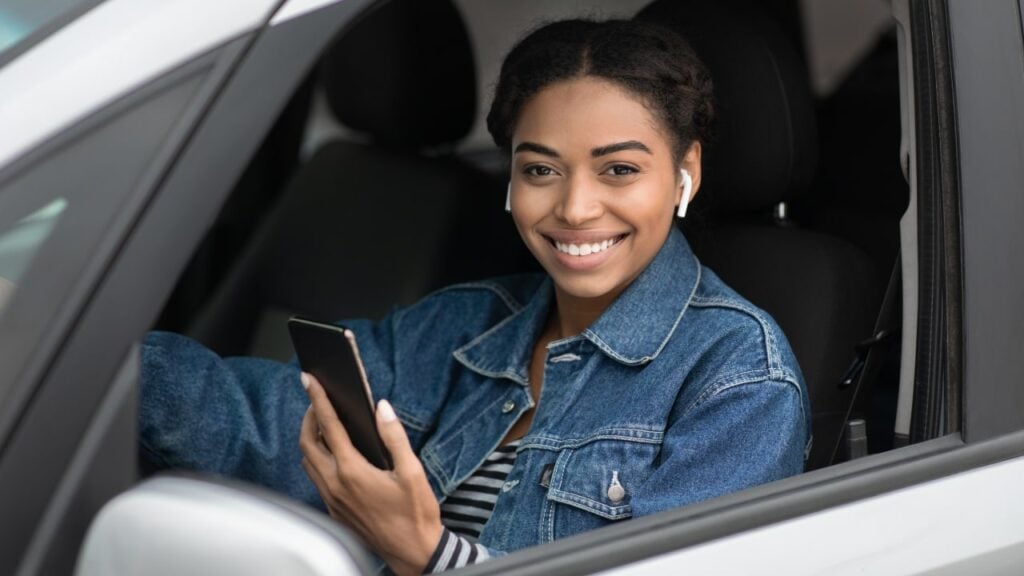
(681, 391)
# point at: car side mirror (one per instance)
(174, 524)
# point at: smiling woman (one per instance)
(626, 380)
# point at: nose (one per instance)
(580, 202)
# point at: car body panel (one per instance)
(101, 468)
(294, 8)
(95, 59)
(909, 531)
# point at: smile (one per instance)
(586, 248)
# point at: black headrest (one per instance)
(404, 73)
(765, 148)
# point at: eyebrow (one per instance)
(534, 147)
(595, 153)
(619, 147)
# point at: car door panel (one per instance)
(53, 381)
(909, 531)
(102, 466)
(223, 109)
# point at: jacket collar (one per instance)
(633, 330)
(504, 351)
(638, 324)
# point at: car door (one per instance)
(124, 128)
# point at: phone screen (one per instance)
(330, 353)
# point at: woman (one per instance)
(626, 381)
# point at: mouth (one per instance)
(584, 247)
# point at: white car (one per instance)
(214, 167)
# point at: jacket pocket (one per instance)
(594, 484)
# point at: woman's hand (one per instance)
(394, 511)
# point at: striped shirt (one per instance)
(467, 509)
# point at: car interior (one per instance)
(374, 188)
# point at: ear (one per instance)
(691, 163)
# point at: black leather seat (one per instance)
(822, 290)
(366, 225)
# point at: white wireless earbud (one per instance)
(508, 198)
(687, 184)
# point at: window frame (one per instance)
(987, 49)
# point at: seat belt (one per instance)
(865, 366)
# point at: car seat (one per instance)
(821, 289)
(373, 221)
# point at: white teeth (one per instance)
(585, 249)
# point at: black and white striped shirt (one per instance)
(467, 509)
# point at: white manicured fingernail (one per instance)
(387, 413)
(305, 380)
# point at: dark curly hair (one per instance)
(648, 60)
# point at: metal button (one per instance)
(615, 490)
(616, 493)
(508, 406)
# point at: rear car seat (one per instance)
(822, 290)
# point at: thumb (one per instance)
(392, 433)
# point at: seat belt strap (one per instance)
(864, 367)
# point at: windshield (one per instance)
(25, 22)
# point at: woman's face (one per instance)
(594, 185)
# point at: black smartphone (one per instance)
(329, 352)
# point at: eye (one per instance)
(538, 170)
(621, 170)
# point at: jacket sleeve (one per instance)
(237, 417)
(455, 551)
(739, 435)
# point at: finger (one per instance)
(331, 428)
(316, 479)
(319, 459)
(311, 444)
(392, 433)
(334, 505)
